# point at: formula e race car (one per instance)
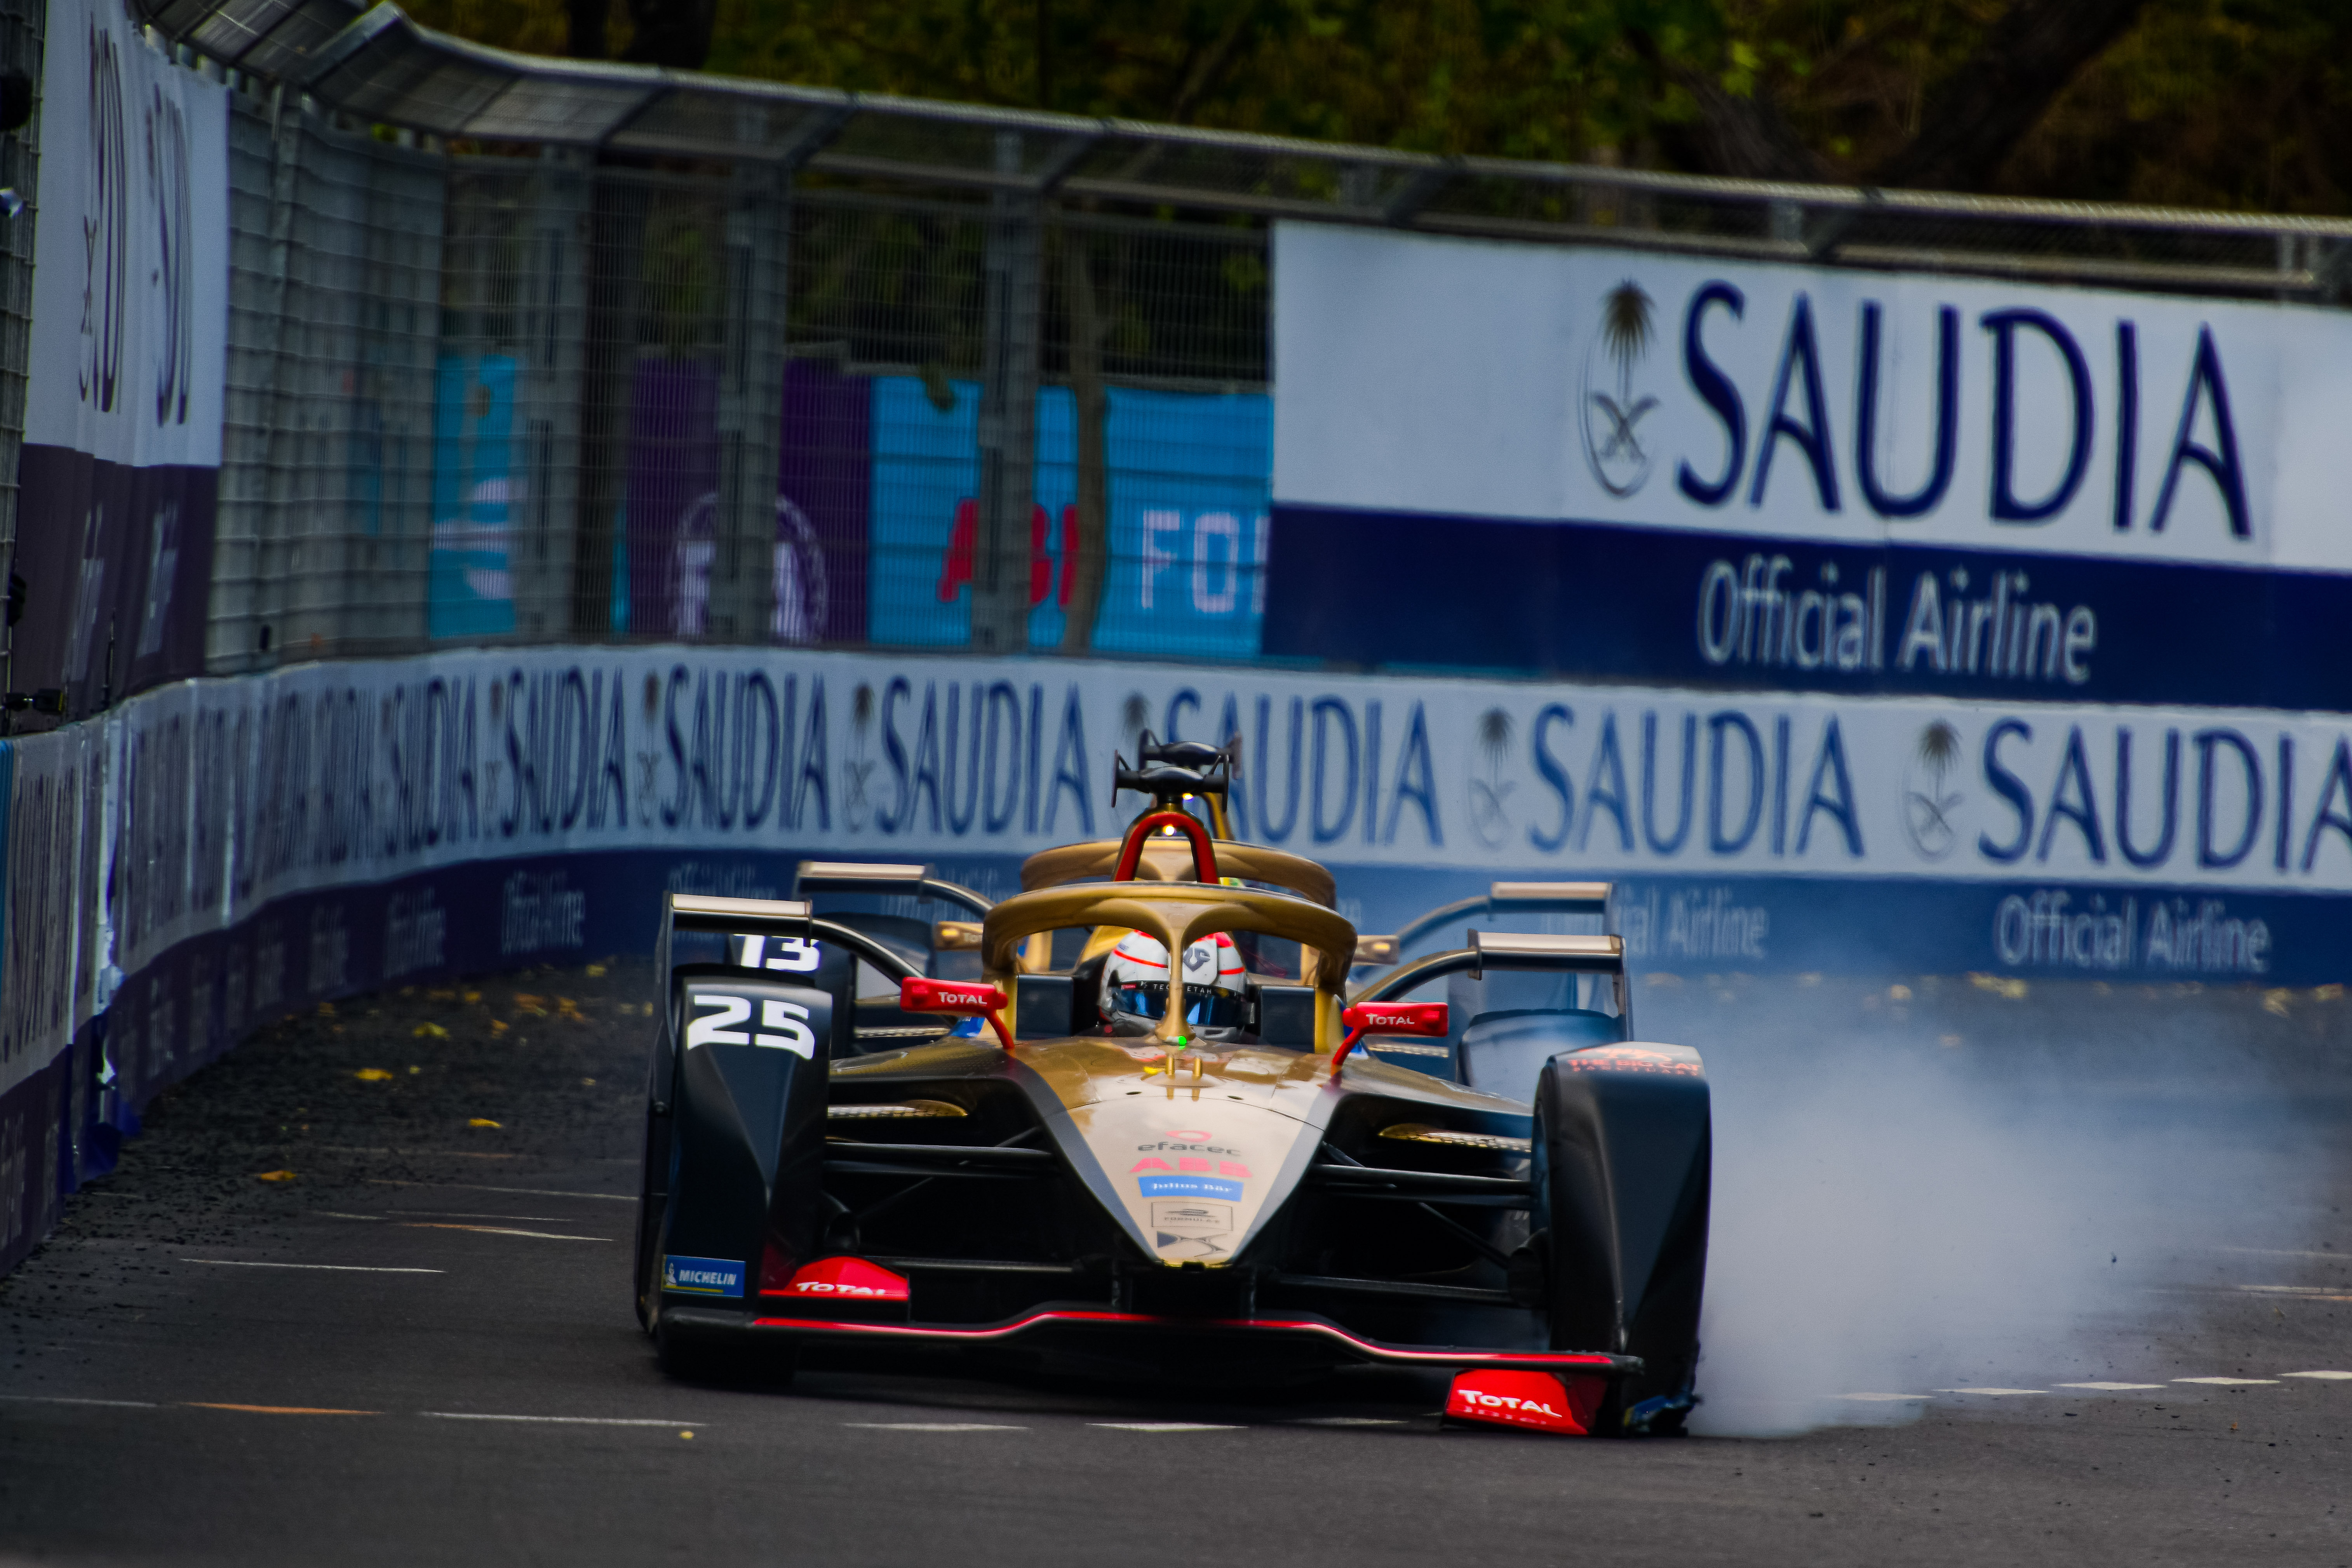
(1156, 1136)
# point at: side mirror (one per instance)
(1387, 1018)
(956, 936)
(959, 998)
(1396, 1017)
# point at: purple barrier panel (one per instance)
(823, 484)
(116, 563)
(673, 474)
(824, 480)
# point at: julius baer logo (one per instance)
(2026, 434)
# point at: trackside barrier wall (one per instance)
(215, 854)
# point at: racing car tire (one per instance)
(650, 1204)
(722, 1361)
(1622, 1168)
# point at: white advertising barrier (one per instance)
(228, 795)
(1464, 378)
(196, 807)
(130, 319)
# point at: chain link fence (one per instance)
(488, 392)
(526, 350)
(21, 24)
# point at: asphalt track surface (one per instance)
(324, 1314)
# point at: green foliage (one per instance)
(2233, 103)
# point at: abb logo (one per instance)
(1192, 1163)
(963, 539)
(1531, 1399)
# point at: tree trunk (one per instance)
(1087, 332)
(673, 33)
(586, 39)
(1977, 116)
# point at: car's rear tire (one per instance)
(650, 1207)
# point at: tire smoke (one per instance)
(1976, 1188)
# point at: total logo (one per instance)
(1506, 1402)
(1530, 1399)
(838, 1288)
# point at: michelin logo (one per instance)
(702, 1275)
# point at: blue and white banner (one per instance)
(225, 798)
(1769, 475)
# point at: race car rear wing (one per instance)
(1515, 898)
(1511, 951)
(749, 921)
(874, 877)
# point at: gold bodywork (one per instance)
(1195, 1143)
(1171, 860)
(1177, 914)
(1190, 1135)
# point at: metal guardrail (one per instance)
(381, 67)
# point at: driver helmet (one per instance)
(1135, 986)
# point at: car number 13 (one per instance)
(782, 1025)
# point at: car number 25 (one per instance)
(782, 1025)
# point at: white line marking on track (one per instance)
(526, 1192)
(2330, 1376)
(330, 1267)
(561, 1420)
(2111, 1385)
(933, 1426)
(2228, 1382)
(412, 1217)
(1165, 1425)
(61, 1399)
(494, 1230)
(1885, 1398)
(1995, 1393)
